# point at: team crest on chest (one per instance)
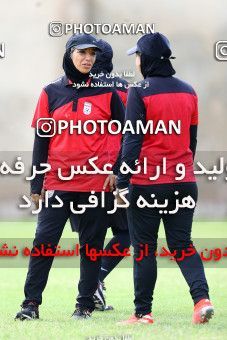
(87, 108)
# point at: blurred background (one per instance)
(33, 59)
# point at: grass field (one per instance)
(172, 304)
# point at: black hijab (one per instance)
(151, 67)
(103, 62)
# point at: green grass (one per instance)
(172, 307)
(27, 230)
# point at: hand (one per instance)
(119, 199)
(36, 197)
(119, 194)
(111, 181)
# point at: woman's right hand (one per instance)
(36, 197)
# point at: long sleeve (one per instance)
(40, 155)
(193, 139)
(132, 143)
(117, 113)
(41, 144)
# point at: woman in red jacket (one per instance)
(164, 101)
(71, 99)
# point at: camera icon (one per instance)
(221, 50)
(55, 29)
(46, 127)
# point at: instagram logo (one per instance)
(55, 29)
(46, 127)
(221, 50)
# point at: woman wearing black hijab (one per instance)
(162, 98)
(73, 99)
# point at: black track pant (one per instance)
(144, 225)
(122, 238)
(51, 222)
(119, 225)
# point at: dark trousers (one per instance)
(122, 238)
(51, 222)
(144, 225)
(119, 225)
